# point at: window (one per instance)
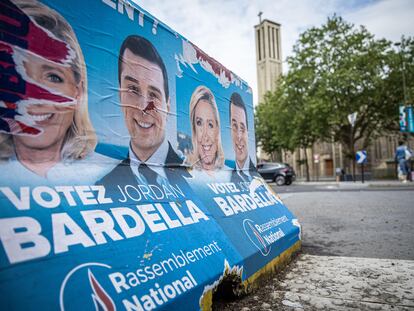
(259, 44)
(269, 41)
(264, 51)
(277, 44)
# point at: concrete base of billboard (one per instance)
(254, 281)
(277, 264)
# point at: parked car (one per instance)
(280, 173)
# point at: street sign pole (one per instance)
(317, 171)
(361, 158)
(353, 161)
(362, 171)
(316, 158)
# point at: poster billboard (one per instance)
(127, 161)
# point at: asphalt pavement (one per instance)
(373, 223)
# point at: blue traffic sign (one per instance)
(406, 119)
(361, 157)
(410, 119)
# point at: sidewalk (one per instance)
(358, 184)
(336, 283)
(344, 283)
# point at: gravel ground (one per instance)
(334, 283)
(263, 298)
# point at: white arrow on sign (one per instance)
(352, 118)
(361, 156)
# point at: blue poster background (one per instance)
(78, 240)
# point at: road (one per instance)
(354, 222)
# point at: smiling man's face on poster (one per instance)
(239, 134)
(144, 103)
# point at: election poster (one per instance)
(128, 164)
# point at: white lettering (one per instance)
(111, 3)
(54, 197)
(225, 208)
(151, 218)
(195, 212)
(61, 222)
(184, 220)
(118, 281)
(101, 195)
(120, 213)
(98, 228)
(66, 190)
(128, 8)
(170, 222)
(22, 240)
(85, 195)
(22, 203)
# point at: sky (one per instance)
(224, 29)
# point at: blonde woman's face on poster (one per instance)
(206, 131)
(53, 119)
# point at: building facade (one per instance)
(268, 63)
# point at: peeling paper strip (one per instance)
(192, 55)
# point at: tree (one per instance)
(270, 119)
(401, 65)
(287, 118)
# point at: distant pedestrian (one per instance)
(403, 157)
(338, 172)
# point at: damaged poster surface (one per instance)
(127, 160)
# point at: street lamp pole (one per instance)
(400, 46)
(352, 119)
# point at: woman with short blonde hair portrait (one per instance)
(207, 153)
(66, 137)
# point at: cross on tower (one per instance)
(260, 17)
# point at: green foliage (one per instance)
(335, 70)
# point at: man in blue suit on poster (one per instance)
(145, 102)
(244, 167)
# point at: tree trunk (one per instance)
(353, 168)
(306, 165)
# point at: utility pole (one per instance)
(401, 47)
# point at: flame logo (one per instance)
(101, 299)
(258, 237)
(255, 238)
